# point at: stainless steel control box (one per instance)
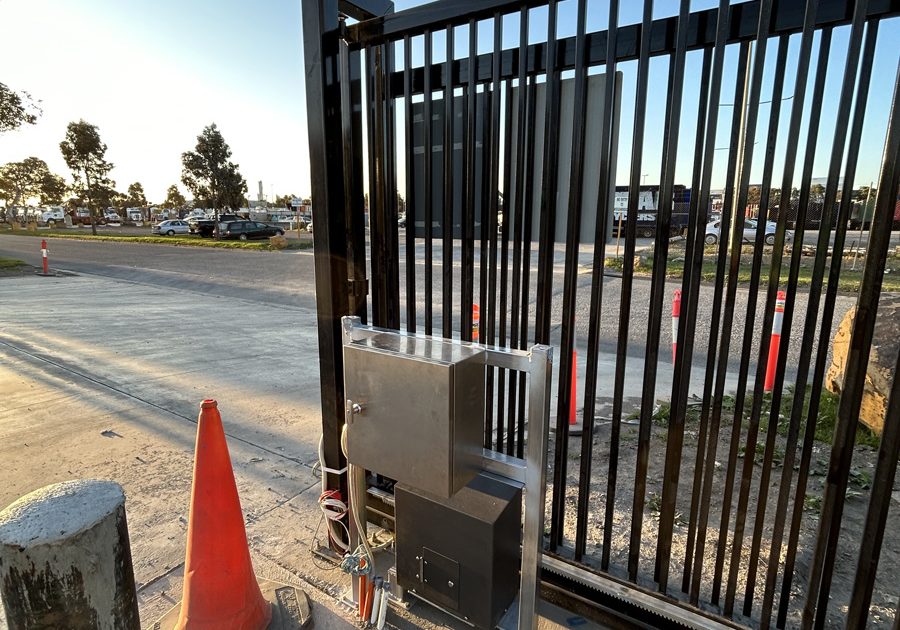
(421, 402)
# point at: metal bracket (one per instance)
(358, 287)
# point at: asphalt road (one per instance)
(287, 278)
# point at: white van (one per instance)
(135, 215)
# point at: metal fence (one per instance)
(501, 139)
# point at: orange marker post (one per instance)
(44, 252)
(573, 385)
(775, 343)
(476, 322)
(676, 314)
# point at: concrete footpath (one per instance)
(102, 378)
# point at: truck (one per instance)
(53, 215)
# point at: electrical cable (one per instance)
(357, 475)
(333, 508)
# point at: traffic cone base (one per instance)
(290, 608)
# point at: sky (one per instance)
(151, 75)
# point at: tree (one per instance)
(16, 109)
(52, 190)
(753, 195)
(816, 192)
(31, 177)
(210, 175)
(174, 198)
(85, 154)
(136, 196)
(864, 192)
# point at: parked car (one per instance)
(749, 235)
(170, 228)
(112, 216)
(207, 227)
(246, 230)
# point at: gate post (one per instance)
(321, 44)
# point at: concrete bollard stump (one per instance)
(65, 559)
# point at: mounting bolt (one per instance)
(450, 583)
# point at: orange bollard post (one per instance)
(775, 343)
(573, 390)
(44, 252)
(220, 589)
(676, 315)
(476, 322)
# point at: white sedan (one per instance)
(171, 228)
(749, 235)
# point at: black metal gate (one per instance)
(489, 128)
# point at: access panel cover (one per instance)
(422, 414)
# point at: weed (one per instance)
(812, 503)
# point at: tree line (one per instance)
(206, 171)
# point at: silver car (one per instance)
(749, 235)
(171, 228)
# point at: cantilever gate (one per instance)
(688, 480)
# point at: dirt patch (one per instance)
(855, 506)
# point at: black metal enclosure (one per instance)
(500, 130)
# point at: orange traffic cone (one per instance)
(220, 589)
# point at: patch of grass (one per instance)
(10, 263)
(176, 241)
(812, 503)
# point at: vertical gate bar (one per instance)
(517, 221)
(876, 516)
(429, 193)
(705, 152)
(410, 189)
(715, 404)
(607, 179)
(390, 214)
(484, 287)
(382, 201)
(750, 332)
(831, 295)
(695, 268)
(739, 200)
(372, 192)
(547, 246)
(351, 123)
(803, 61)
(658, 280)
(796, 413)
(504, 271)
(447, 219)
(528, 200)
(685, 340)
(493, 191)
(321, 37)
(570, 280)
(860, 585)
(468, 234)
(634, 191)
(855, 374)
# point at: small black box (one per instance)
(462, 553)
